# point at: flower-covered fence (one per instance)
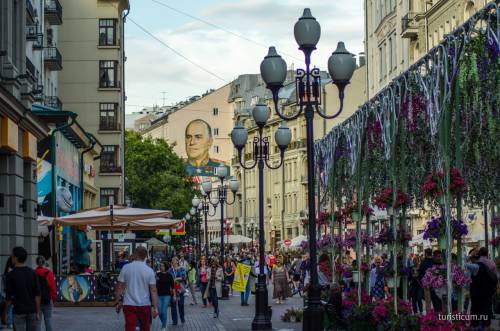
(428, 139)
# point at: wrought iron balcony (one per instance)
(53, 12)
(31, 13)
(409, 26)
(34, 33)
(110, 168)
(53, 102)
(37, 92)
(53, 59)
(30, 69)
(108, 125)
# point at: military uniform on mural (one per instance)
(199, 140)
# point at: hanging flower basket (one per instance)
(435, 277)
(384, 199)
(495, 242)
(436, 228)
(385, 237)
(432, 188)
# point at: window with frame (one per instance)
(216, 149)
(216, 131)
(108, 119)
(215, 111)
(109, 159)
(107, 194)
(108, 74)
(107, 32)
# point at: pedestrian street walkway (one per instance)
(233, 317)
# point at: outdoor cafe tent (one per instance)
(232, 239)
(149, 224)
(113, 215)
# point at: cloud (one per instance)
(152, 68)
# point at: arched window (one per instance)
(470, 9)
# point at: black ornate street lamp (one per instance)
(341, 66)
(251, 227)
(221, 198)
(195, 214)
(204, 206)
(261, 151)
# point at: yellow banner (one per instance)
(241, 275)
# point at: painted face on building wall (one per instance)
(198, 142)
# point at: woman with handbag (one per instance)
(214, 280)
(180, 283)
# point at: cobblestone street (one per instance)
(233, 317)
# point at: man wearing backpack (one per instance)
(48, 292)
(482, 288)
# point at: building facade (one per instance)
(285, 191)
(20, 131)
(92, 84)
(400, 32)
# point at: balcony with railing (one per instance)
(53, 12)
(34, 33)
(53, 102)
(409, 26)
(30, 12)
(110, 168)
(30, 69)
(53, 59)
(37, 92)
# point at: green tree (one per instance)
(156, 176)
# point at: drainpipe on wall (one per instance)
(53, 159)
(367, 62)
(82, 189)
(123, 104)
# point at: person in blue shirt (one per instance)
(83, 247)
(180, 279)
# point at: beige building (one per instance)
(212, 107)
(399, 32)
(91, 41)
(285, 191)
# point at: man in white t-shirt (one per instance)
(138, 281)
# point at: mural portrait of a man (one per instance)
(199, 140)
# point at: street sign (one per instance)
(288, 242)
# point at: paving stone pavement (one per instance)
(233, 317)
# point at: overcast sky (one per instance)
(152, 68)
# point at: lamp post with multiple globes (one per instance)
(341, 66)
(220, 196)
(261, 152)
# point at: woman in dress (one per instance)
(202, 274)
(229, 269)
(74, 290)
(165, 287)
(280, 280)
(377, 281)
(214, 276)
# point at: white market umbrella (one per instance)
(43, 225)
(146, 224)
(232, 239)
(297, 241)
(112, 215)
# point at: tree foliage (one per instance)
(156, 176)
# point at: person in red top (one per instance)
(48, 291)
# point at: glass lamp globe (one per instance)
(222, 171)
(273, 69)
(207, 186)
(283, 136)
(261, 114)
(307, 31)
(341, 65)
(234, 185)
(239, 136)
